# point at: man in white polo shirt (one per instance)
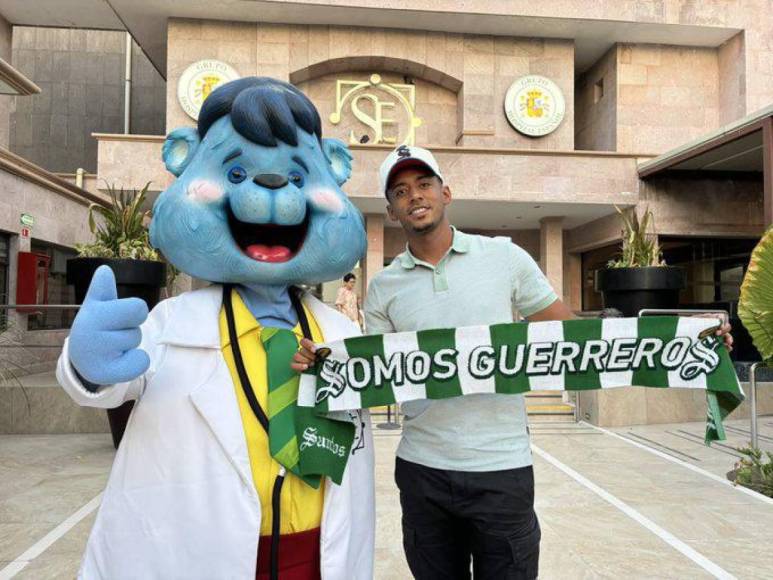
(463, 464)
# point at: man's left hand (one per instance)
(724, 332)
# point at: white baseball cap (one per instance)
(406, 155)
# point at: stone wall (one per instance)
(59, 219)
(753, 17)
(648, 406)
(596, 113)
(81, 76)
(666, 96)
(657, 97)
(732, 80)
(473, 173)
(148, 96)
(516, 175)
(705, 207)
(684, 206)
(478, 68)
(491, 66)
(6, 101)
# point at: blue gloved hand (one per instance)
(106, 333)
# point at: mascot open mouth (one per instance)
(268, 242)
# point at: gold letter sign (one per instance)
(353, 93)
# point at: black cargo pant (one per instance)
(450, 516)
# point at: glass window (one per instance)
(58, 290)
(715, 268)
(591, 261)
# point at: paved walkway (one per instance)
(639, 502)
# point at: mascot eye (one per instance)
(237, 174)
(296, 178)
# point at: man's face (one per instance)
(417, 199)
(350, 283)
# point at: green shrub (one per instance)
(755, 471)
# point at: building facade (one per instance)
(636, 80)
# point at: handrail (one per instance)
(753, 399)
(725, 315)
(40, 306)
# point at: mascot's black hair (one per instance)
(262, 110)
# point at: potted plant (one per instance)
(121, 242)
(639, 278)
(754, 470)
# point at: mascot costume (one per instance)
(220, 473)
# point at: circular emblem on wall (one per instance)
(199, 80)
(534, 105)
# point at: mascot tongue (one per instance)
(264, 253)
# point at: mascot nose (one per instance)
(270, 180)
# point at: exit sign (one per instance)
(27, 220)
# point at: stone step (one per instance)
(550, 413)
(544, 397)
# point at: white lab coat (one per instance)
(180, 501)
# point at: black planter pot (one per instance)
(632, 289)
(134, 279)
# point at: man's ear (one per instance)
(391, 212)
(179, 148)
(446, 195)
(340, 159)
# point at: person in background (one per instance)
(347, 301)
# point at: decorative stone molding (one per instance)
(380, 64)
(16, 165)
(15, 81)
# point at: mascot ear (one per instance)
(178, 150)
(340, 159)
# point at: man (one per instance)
(347, 302)
(464, 465)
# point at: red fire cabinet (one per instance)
(32, 280)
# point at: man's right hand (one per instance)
(106, 333)
(305, 357)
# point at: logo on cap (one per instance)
(403, 151)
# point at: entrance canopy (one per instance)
(146, 20)
(745, 146)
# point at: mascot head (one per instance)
(258, 196)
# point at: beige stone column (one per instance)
(552, 252)
(551, 248)
(374, 257)
(573, 280)
(16, 320)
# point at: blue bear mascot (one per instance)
(220, 473)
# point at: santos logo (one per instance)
(312, 439)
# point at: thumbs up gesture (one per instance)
(106, 334)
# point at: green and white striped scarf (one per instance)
(573, 355)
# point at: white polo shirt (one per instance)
(480, 281)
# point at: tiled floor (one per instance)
(616, 504)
